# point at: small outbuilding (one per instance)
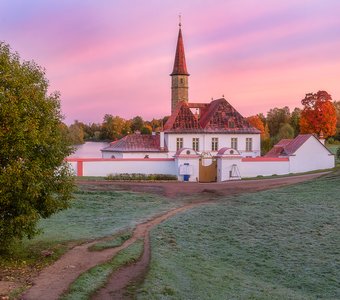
(305, 152)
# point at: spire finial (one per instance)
(180, 20)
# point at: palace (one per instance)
(203, 127)
(204, 142)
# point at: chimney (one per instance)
(321, 138)
(161, 140)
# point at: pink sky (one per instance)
(115, 57)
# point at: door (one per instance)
(208, 169)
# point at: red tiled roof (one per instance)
(217, 117)
(296, 143)
(136, 143)
(182, 119)
(278, 149)
(180, 67)
(286, 147)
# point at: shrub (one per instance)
(140, 177)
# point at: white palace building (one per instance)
(204, 142)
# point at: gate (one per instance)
(207, 169)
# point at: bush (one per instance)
(140, 177)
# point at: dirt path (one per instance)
(176, 189)
(55, 279)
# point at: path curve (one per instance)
(54, 280)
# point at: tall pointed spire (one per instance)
(179, 75)
(180, 67)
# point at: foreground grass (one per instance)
(89, 282)
(96, 214)
(93, 214)
(278, 244)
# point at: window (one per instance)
(214, 144)
(233, 143)
(179, 143)
(249, 144)
(195, 144)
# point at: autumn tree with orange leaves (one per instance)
(318, 114)
(256, 122)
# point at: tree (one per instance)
(337, 108)
(295, 120)
(76, 133)
(114, 128)
(35, 182)
(256, 122)
(146, 129)
(286, 132)
(137, 123)
(276, 117)
(318, 114)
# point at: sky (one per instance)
(115, 56)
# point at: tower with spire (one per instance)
(179, 75)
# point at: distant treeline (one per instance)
(279, 123)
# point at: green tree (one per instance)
(295, 120)
(35, 182)
(146, 129)
(76, 133)
(337, 108)
(114, 128)
(286, 132)
(137, 123)
(276, 117)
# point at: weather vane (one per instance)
(180, 19)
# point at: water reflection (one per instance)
(89, 149)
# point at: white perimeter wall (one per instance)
(104, 167)
(263, 167)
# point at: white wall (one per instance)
(312, 155)
(224, 166)
(193, 163)
(104, 167)
(253, 167)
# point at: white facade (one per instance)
(224, 140)
(185, 163)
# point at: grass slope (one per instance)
(278, 244)
(96, 214)
(93, 214)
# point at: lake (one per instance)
(89, 150)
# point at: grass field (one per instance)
(278, 244)
(101, 213)
(93, 214)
